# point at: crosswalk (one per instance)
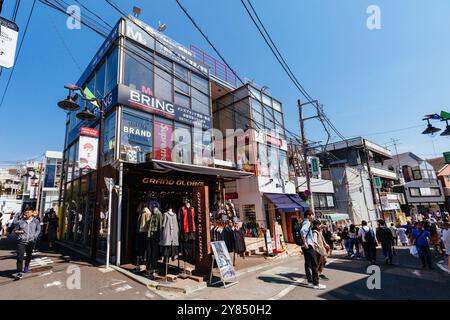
(40, 262)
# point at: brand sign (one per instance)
(144, 101)
(163, 141)
(90, 132)
(163, 44)
(87, 152)
(9, 33)
(201, 205)
(173, 182)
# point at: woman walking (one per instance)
(321, 248)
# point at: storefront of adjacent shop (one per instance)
(157, 143)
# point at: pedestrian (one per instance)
(339, 238)
(446, 240)
(435, 241)
(28, 229)
(328, 236)
(386, 239)
(394, 232)
(354, 243)
(9, 223)
(346, 240)
(402, 236)
(369, 242)
(321, 248)
(310, 256)
(1, 225)
(51, 219)
(421, 239)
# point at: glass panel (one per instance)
(50, 175)
(268, 119)
(113, 62)
(163, 139)
(100, 82)
(76, 171)
(267, 100)
(67, 202)
(163, 79)
(182, 100)
(181, 79)
(279, 124)
(263, 160)
(137, 137)
(284, 168)
(200, 102)
(200, 83)
(255, 94)
(74, 210)
(276, 105)
(242, 115)
(70, 164)
(330, 201)
(257, 114)
(208, 150)
(82, 207)
(139, 69)
(274, 162)
(182, 144)
(109, 145)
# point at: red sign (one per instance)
(85, 131)
(163, 141)
(275, 141)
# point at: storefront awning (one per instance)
(287, 202)
(167, 167)
(336, 216)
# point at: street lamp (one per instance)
(430, 128)
(69, 104)
(447, 129)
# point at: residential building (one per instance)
(423, 191)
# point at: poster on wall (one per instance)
(224, 263)
(269, 243)
(278, 234)
(163, 141)
(87, 153)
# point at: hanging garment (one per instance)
(186, 218)
(170, 232)
(228, 237)
(188, 250)
(155, 223)
(144, 220)
(170, 251)
(240, 241)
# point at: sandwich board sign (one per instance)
(224, 263)
(9, 33)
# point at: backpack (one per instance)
(369, 236)
(297, 234)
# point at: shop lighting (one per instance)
(430, 129)
(68, 104)
(447, 130)
(86, 115)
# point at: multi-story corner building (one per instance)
(363, 183)
(422, 190)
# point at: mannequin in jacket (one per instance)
(188, 231)
(153, 239)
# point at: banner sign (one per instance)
(163, 141)
(90, 132)
(269, 243)
(9, 33)
(87, 152)
(143, 101)
(223, 260)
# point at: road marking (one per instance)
(123, 288)
(150, 295)
(442, 267)
(46, 274)
(417, 273)
(287, 290)
(53, 284)
(41, 262)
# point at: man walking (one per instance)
(421, 239)
(310, 255)
(369, 242)
(28, 228)
(385, 237)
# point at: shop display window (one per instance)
(182, 144)
(136, 137)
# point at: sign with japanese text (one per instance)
(9, 33)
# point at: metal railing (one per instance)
(216, 68)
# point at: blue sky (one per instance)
(369, 81)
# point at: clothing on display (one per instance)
(229, 238)
(144, 220)
(240, 246)
(169, 235)
(153, 239)
(188, 230)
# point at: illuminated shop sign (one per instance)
(173, 182)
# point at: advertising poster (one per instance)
(163, 141)
(269, 243)
(223, 260)
(87, 153)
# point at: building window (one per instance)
(279, 124)
(269, 124)
(284, 169)
(200, 102)
(257, 114)
(163, 79)
(447, 178)
(182, 144)
(436, 192)
(414, 192)
(100, 82)
(263, 167)
(137, 137)
(323, 201)
(417, 175)
(112, 68)
(138, 73)
(274, 162)
(181, 79)
(182, 100)
(109, 145)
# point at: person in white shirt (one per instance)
(394, 233)
(369, 242)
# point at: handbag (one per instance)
(413, 251)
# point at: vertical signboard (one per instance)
(88, 148)
(201, 205)
(163, 141)
(9, 33)
(224, 263)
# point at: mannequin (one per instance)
(143, 224)
(153, 238)
(169, 235)
(188, 231)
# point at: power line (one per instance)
(18, 54)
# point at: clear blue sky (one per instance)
(368, 81)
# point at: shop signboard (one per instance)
(163, 141)
(201, 205)
(377, 181)
(447, 157)
(9, 33)
(87, 152)
(143, 101)
(269, 243)
(224, 263)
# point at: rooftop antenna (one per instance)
(162, 26)
(137, 12)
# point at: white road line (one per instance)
(53, 284)
(287, 290)
(123, 288)
(442, 267)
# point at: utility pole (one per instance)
(305, 154)
(395, 143)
